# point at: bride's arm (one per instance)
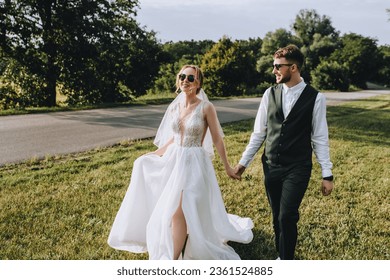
(214, 126)
(160, 151)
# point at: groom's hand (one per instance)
(238, 170)
(326, 187)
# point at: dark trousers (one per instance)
(285, 187)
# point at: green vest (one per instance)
(289, 139)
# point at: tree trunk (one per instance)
(50, 50)
(51, 84)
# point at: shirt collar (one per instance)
(297, 88)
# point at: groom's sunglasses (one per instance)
(278, 66)
(190, 78)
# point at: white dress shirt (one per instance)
(319, 134)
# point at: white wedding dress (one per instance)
(143, 222)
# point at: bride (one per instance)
(173, 207)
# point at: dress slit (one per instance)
(180, 208)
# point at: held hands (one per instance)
(236, 172)
(231, 173)
(326, 187)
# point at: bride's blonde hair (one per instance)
(198, 77)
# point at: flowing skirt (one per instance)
(143, 222)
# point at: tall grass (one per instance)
(63, 207)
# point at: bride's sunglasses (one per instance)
(190, 78)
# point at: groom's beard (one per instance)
(285, 79)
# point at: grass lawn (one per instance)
(63, 207)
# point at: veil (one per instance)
(165, 132)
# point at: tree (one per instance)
(27, 36)
(253, 45)
(317, 35)
(227, 67)
(250, 52)
(361, 56)
(321, 48)
(191, 49)
(278, 39)
(89, 48)
(384, 67)
(309, 22)
(174, 56)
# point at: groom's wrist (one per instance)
(328, 178)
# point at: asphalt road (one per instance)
(24, 137)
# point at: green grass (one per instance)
(63, 207)
(148, 99)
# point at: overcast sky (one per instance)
(176, 20)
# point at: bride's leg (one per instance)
(179, 231)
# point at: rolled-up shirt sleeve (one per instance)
(259, 132)
(320, 136)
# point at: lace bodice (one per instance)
(189, 131)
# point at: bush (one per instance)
(330, 75)
(18, 87)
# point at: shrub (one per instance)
(330, 75)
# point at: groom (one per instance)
(292, 121)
